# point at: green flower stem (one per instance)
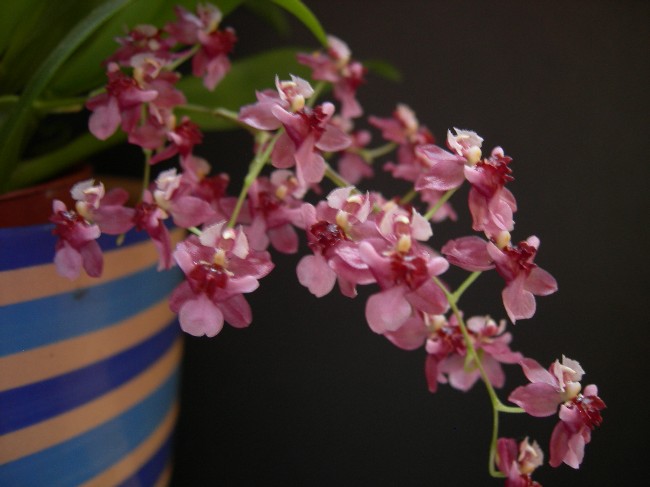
(177, 62)
(369, 155)
(195, 231)
(335, 177)
(318, 89)
(217, 112)
(466, 283)
(497, 405)
(256, 166)
(408, 197)
(439, 203)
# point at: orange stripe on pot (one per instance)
(130, 464)
(41, 281)
(92, 414)
(165, 477)
(51, 360)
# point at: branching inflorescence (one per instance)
(355, 238)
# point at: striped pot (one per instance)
(88, 368)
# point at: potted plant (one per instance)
(308, 165)
(88, 362)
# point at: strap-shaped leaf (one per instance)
(306, 16)
(13, 131)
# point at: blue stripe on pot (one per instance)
(24, 406)
(88, 368)
(83, 457)
(68, 315)
(152, 470)
(41, 243)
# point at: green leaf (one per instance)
(271, 14)
(384, 69)
(10, 12)
(306, 16)
(238, 87)
(36, 33)
(13, 132)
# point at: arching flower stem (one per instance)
(497, 405)
(256, 166)
(336, 178)
(445, 197)
(369, 155)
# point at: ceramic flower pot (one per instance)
(88, 368)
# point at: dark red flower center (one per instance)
(522, 255)
(267, 202)
(324, 236)
(65, 222)
(207, 278)
(409, 269)
(589, 408)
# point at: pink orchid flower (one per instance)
(219, 268)
(77, 245)
(579, 409)
(524, 279)
(337, 67)
(121, 104)
(518, 462)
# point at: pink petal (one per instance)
(284, 239)
(519, 303)
(200, 316)
(68, 262)
(537, 399)
(540, 282)
(237, 312)
(105, 119)
(314, 273)
(410, 336)
(387, 310)
(469, 253)
(333, 139)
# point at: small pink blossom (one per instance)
(524, 279)
(211, 60)
(173, 195)
(492, 205)
(335, 249)
(448, 359)
(120, 104)
(106, 210)
(151, 218)
(77, 246)
(140, 40)
(579, 410)
(219, 268)
(337, 67)
(518, 462)
(308, 132)
(404, 129)
(403, 268)
(577, 419)
(274, 205)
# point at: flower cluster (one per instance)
(355, 238)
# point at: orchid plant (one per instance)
(307, 145)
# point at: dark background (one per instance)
(308, 395)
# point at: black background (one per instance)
(308, 395)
